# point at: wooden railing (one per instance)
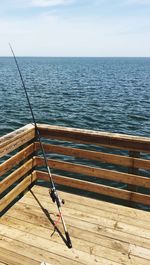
(16, 168)
(90, 161)
(100, 148)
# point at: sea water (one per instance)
(106, 94)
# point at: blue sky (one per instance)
(75, 28)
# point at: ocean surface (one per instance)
(106, 94)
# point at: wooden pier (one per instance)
(101, 232)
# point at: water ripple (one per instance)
(109, 94)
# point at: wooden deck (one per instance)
(102, 233)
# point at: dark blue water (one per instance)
(107, 94)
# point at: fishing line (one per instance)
(53, 192)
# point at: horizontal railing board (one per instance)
(114, 140)
(97, 188)
(96, 156)
(6, 139)
(96, 172)
(9, 197)
(12, 141)
(16, 175)
(16, 159)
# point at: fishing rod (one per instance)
(53, 192)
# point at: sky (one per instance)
(101, 28)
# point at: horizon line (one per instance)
(63, 56)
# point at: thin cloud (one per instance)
(36, 3)
(139, 2)
(47, 3)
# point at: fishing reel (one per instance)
(54, 196)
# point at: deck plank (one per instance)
(73, 207)
(89, 221)
(34, 252)
(120, 253)
(111, 207)
(36, 217)
(52, 247)
(13, 258)
(101, 232)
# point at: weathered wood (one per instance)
(6, 139)
(97, 204)
(26, 230)
(53, 247)
(105, 236)
(35, 253)
(102, 233)
(88, 210)
(78, 241)
(16, 159)
(96, 156)
(98, 188)
(91, 215)
(124, 231)
(16, 175)
(8, 198)
(13, 140)
(13, 258)
(114, 140)
(96, 172)
(133, 170)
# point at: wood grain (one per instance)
(96, 156)
(13, 140)
(97, 188)
(96, 172)
(9, 197)
(26, 233)
(16, 159)
(113, 140)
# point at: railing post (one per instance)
(133, 170)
